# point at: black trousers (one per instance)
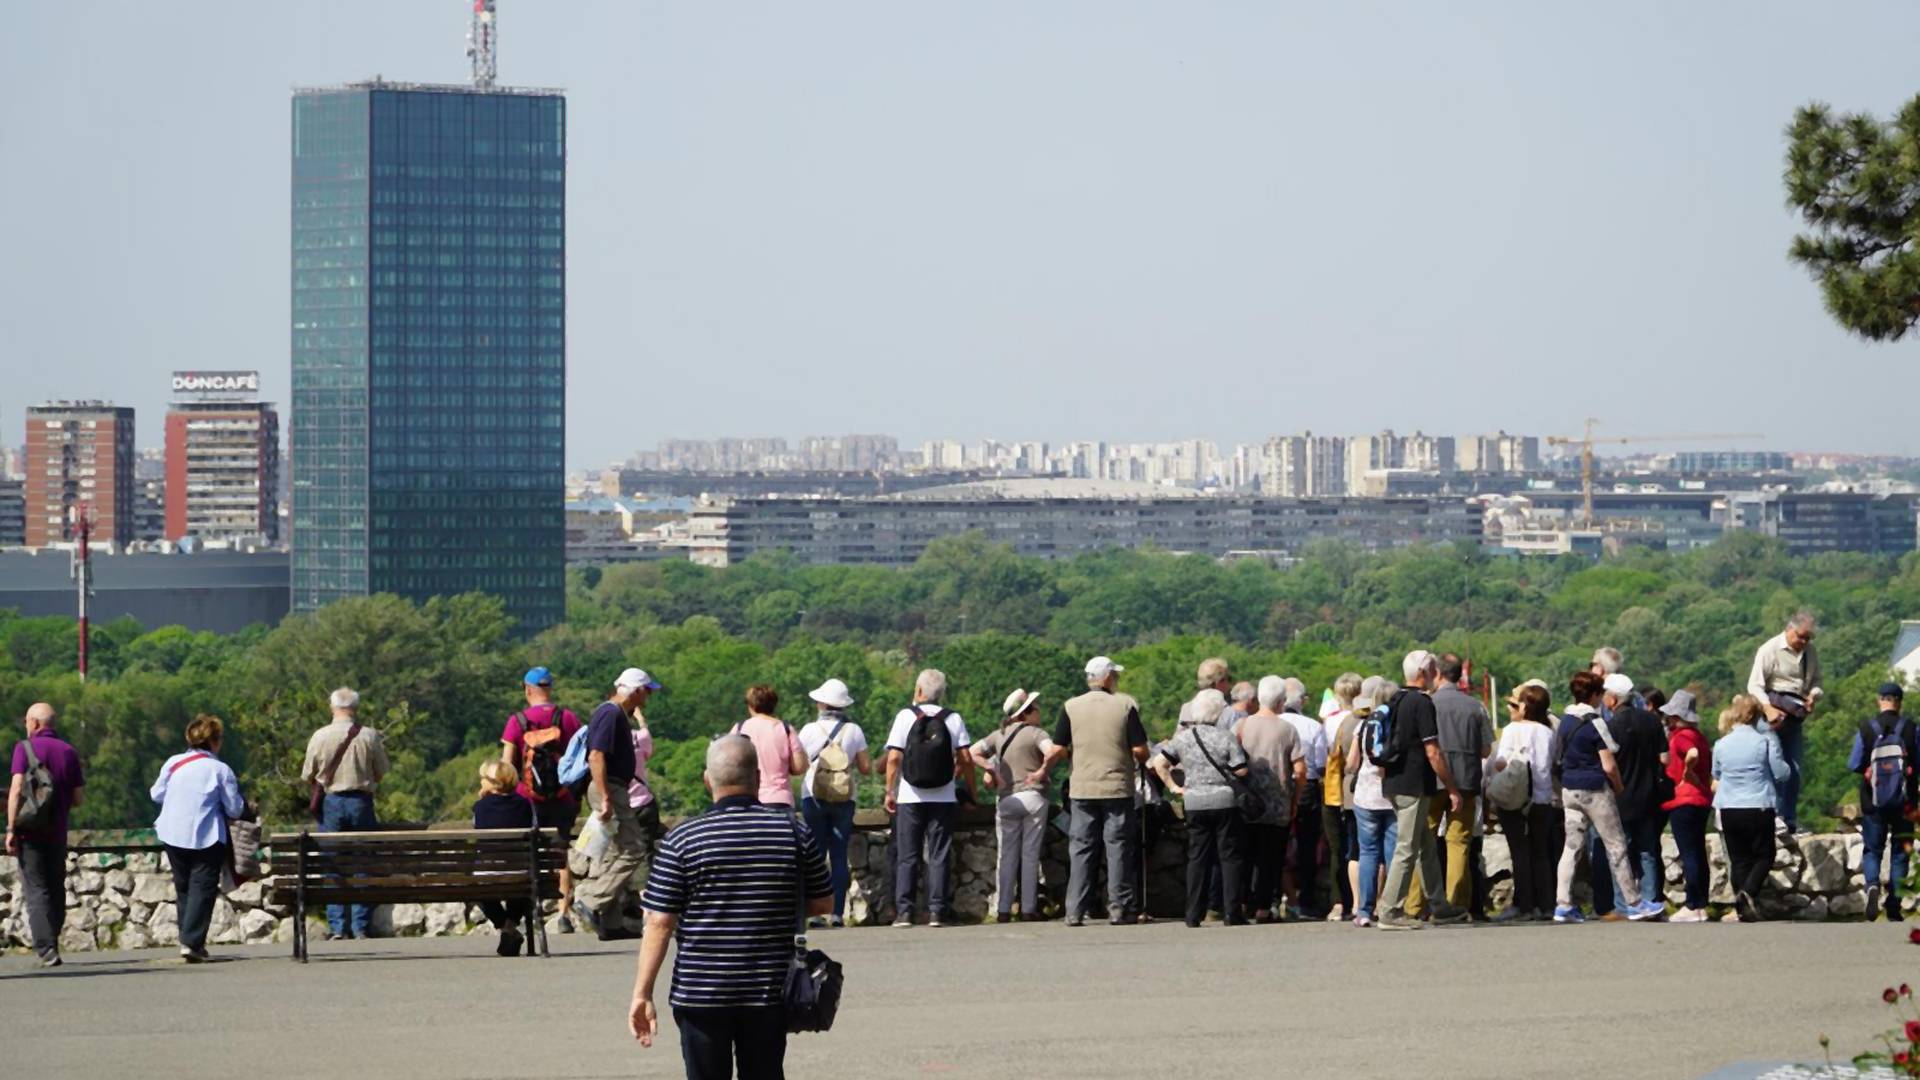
(916, 825)
(1531, 847)
(713, 1040)
(502, 915)
(43, 877)
(1749, 838)
(1265, 850)
(1214, 840)
(1306, 851)
(196, 883)
(1333, 825)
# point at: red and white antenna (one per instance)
(482, 43)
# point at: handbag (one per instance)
(317, 796)
(1252, 806)
(1511, 788)
(811, 995)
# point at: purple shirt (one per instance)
(64, 764)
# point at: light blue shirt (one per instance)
(196, 800)
(1747, 763)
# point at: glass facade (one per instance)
(429, 346)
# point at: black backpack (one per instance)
(927, 759)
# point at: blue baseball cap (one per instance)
(539, 677)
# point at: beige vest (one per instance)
(1102, 761)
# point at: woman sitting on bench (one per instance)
(500, 807)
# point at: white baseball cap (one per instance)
(1618, 685)
(833, 694)
(1100, 667)
(633, 679)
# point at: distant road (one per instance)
(1045, 1001)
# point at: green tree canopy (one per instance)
(1855, 181)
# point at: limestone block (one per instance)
(83, 917)
(1783, 880)
(1826, 869)
(120, 881)
(165, 920)
(225, 927)
(102, 860)
(1496, 858)
(1856, 849)
(250, 894)
(979, 858)
(257, 925)
(139, 912)
(144, 863)
(75, 939)
(153, 888)
(103, 936)
(1815, 911)
(409, 920)
(87, 882)
(442, 919)
(1847, 905)
(112, 907)
(135, 936)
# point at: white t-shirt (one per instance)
(813, 739)
(1368, 793)
(1313, 743)
(897, 740)
(1533, 742)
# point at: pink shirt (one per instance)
(775, 744)
(639, 792)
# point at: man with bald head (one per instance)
(41, 844)
(724, 886)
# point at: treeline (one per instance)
(442, 677)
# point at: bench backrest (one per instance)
(416, 867)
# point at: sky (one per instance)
(1001, 219)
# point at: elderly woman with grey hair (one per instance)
(1213, 764)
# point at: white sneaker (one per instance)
(1731, 916)
(1338, 914)
(1688, 915)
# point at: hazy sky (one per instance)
(1010, 219)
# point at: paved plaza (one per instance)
(1309, 1000)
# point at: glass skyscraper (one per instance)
(428, 435)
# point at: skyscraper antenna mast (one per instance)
(481, 45)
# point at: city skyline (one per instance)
(1041, 197)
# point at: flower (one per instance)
(1889, 995)
(1913, 936)
(1900, 1058)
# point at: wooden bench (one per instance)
(313, 869)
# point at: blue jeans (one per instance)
(832, 828)
(1644, 855)
(1690, 836)
(1878, 827)
(1793, 746)
(1379, 831)
(350, 811)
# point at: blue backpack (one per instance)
(1378, 740)
(573, 763)
(1888, 759)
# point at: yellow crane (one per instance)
(1586, 443)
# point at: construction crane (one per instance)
(482, 45)
(1586, 443)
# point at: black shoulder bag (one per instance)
(1252, 806)
(812, 993)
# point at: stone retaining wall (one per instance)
(127, 901)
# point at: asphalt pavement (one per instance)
(1017, 1001)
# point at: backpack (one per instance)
(929, 751)
(1570, 726)
(1511, 788)
(39, 806)
(1887, 761)
(575, 773)
(544, 749)
(1377, 738)
(833, 770)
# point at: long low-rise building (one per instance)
(222, 591)
(895, 531)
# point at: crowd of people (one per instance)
(1374, 809)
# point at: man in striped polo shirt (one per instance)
(726, 885)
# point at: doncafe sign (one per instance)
(215, 381)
